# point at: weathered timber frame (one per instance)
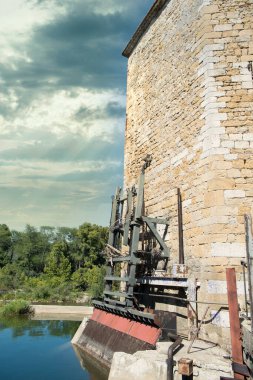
(127, 227)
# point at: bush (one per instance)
(78, 279)
(11, 277)
(17, 307)
(94, 278)
(41, 293)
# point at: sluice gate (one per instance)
(125, 319)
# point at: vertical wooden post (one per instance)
(235, 329)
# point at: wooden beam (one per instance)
(235, 328)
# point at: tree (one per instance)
(66, 234)
(5, 245)
(78, 279)
(30, 249)
(11, 277)
(57, 264)
(94, 278)
(69, 235)
(49, 234)
(91, 242)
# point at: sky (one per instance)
(62, 108)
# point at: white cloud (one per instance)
(54, 112)
(18, 16)
(61, 109)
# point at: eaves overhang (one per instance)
(151, 15)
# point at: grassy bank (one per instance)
(15, 308)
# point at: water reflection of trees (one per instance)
(24, 326)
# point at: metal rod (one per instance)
(249, 250)
(198, 329)
(180, 228)
(235, 330)
(184, 299)
(172, 348)
(245, 289)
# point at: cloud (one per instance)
(66, 199)
(62, 107)
(79, 47)
(68, 149)
(112, 110)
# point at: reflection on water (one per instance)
(96, 370)
(41, 350)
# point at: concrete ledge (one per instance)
(79, 331)
(55, 312)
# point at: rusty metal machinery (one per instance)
(135, 248)
(125, 319)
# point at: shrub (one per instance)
(11, 277)
(41, 293)
(95, 280)
(17, 307)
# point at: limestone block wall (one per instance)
(190, 105)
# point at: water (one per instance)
(42, 350)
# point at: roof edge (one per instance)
(150, 16)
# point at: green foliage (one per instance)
(30, 249)
(78, 279)
(58, 265)
(91, 241)
(94, 278)
(5, 245)
(64, 292)
(37, 288)
(52, 264)
(11, 277)
(41, 293)
(17, 307)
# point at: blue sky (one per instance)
(62, 108)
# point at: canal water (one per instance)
(41, 350)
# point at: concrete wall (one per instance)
(189, 104)
(208, 363)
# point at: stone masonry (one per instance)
(190, 105)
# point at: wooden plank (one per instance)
(235, 329)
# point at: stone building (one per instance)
(190, 105)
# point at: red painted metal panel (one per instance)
(106, 318)
(146, 333)
(122, 324)
(115, 322)
(96, 314)
(135, 329)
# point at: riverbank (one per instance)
(63, 312)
